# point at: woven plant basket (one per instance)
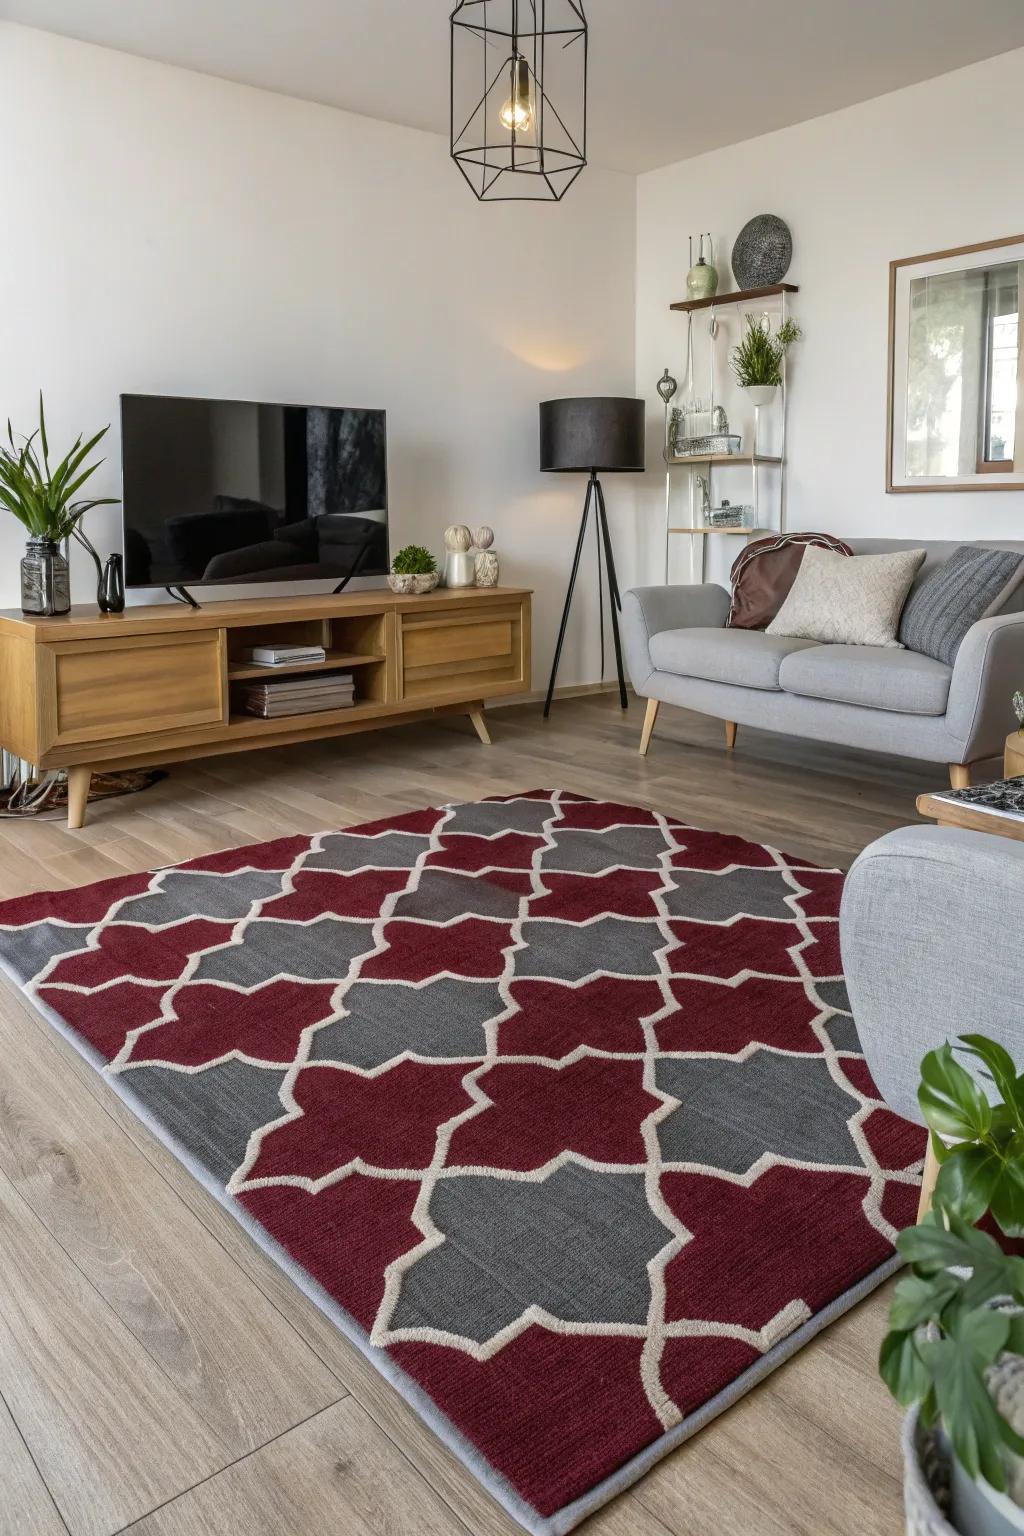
(925, 1481)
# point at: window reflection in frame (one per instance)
(955, 418)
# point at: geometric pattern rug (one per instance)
(554, 1105)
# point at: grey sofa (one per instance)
(927, 929)
(679, 651)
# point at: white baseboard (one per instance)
(566, 691)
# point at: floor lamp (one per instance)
(593, 435)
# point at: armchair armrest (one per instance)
(927, 929)
(989, 667)
(646, 611)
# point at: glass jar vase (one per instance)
(45, 580)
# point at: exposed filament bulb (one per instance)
(517, 113)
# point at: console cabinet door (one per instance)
(112, 690)
(473, 653)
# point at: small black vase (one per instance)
(110, 592)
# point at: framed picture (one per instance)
(955, 395)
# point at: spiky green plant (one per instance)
(758, 357)
(40, 497)
(414, 560)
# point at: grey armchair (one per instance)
(679, 651)
(928, 929)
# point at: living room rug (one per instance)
(555, 1106)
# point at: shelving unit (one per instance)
(90, 691)
(692, 525)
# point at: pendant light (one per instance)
(519, 97)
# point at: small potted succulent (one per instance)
(42, 499)
(413, 569)
(954, 1354)
(758, 358)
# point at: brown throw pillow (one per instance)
(764, 572)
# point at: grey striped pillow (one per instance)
(970, 585)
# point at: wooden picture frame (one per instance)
(984, 480)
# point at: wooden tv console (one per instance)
(90, 691)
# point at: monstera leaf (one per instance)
(961, 1307)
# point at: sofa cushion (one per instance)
(765, 570)
(972, 584)
(745, 657)
(876, 677)
(848, 600)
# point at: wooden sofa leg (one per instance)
(960, 775)
(730, 735)
(648, 731)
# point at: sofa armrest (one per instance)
(989, 667)
(646, 611)
(928, 933)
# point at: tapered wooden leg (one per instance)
(931, 1173)
(78, 796)
(730, 735)
(653, 706)
(480, 725)
(960, 775)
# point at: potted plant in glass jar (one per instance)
(42, 499)
(954, 1354)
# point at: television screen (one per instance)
(227, 491)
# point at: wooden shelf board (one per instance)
(742, 297)
(334, 660)
(242, 724)
(85, 622)
(706, 529)
(724, 458)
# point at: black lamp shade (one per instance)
(592, 432)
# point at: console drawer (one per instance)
(469, 655)
(103, 690)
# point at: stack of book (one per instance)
(307, 695)
(283, 655)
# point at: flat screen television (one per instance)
(220, 492)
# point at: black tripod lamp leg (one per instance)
(568, 601)
(613, 588)
(613, 580)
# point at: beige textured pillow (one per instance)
(848, 599)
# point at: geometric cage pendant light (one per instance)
(519, 97)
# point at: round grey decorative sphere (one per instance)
(763, 251)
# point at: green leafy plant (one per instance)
(40, 497)
(414, 560)
(758, 357)
(945, 1329)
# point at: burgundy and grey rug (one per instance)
(554, 1105)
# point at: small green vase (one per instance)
(702, 280)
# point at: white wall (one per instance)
(926, 168)
(166, 231)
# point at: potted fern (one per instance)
(758, 358)
(42, 499)
(954, 1353)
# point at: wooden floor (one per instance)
(159, 1374)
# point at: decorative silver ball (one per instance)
(483, 537)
